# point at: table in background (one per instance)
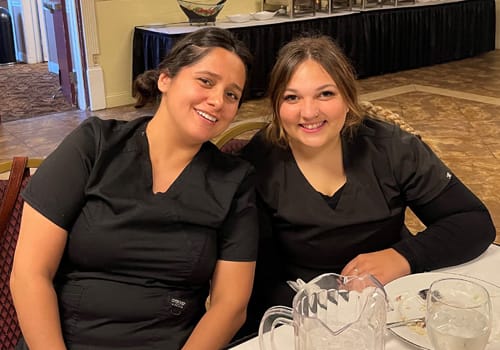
(377, 41)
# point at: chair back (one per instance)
(388, 116)
(232, 140)
(10, 218)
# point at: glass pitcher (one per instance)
(330, 312)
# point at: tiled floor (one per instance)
(455, 107)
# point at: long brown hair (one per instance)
(187, 51)
(324, 51)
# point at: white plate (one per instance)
(263, 15)
(406, 303)
(239, 17)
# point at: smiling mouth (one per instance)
(207, 116)
(313, 126)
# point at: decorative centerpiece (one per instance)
(201, 12)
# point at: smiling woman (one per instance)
(132, 224)
(335, 184)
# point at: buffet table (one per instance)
(378, 41)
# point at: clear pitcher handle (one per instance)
(273, 317)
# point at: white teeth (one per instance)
(312, 126)
(207, 116)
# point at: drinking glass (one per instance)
(458, 315)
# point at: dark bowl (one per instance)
(201, 12)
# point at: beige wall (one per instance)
(497, 40)
(115, 24)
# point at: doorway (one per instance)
(47, 31)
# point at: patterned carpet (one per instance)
(29, 90)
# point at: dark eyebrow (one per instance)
(218, 77)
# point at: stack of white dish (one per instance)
(240, 17)
(263, 15)
(245, 17)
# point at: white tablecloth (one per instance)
(484, 267)
(185, 27)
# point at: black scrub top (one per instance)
(387, 170)
(137, 265)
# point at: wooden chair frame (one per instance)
(32, 163)
(238, 129)
(11, 209)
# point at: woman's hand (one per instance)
(385, 265)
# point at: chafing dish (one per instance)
(290, 8)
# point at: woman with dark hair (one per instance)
(128, 226)
(335, 184)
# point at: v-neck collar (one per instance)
(194, 167)
(175, 188)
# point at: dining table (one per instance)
(484, 268)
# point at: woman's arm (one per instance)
(459, 228)
(231, 287)
(39, 250)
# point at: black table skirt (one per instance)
(377, 42)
